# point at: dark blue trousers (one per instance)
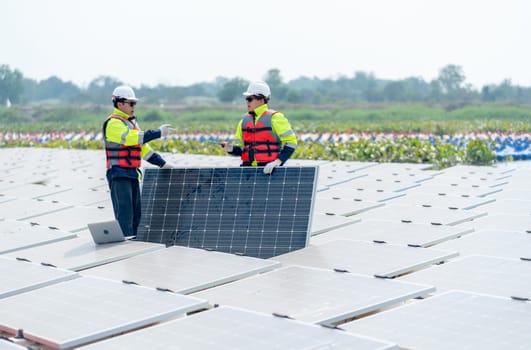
(125, 195)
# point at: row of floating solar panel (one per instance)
(503, 333)
(101, 294)
(278, 284)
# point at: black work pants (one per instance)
(125, 195)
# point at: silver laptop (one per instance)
(106, 232)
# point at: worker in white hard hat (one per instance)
(125, 147)
(264, 136)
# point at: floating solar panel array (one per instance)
(238, 329)
(181, 269)
(17, 235)
(235, 210)
(441, 262)
(85, 309)
(19, 276)
(480, 274)
(314, 295)
(366, 257)
(334, 173)
(394, 232)
(81, 253)
(454, 320)
(324, 222)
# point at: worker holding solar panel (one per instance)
(125, 147)
(263, 137)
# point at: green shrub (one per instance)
(479, 152)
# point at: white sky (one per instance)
(183, 42)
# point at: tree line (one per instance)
(449, 88)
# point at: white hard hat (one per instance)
(124, 91)
(258, 88)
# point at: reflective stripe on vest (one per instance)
(260, 143)
(121, 155)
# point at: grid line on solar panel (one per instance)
(234, 210)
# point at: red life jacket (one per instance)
(260, 143)
(121, 155)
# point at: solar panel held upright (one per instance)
(234, 210)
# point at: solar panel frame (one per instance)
(510, 207)
(376, 184)
(344, 207)
(81, 252)
(479, 274)
(505, 222)
(360, 194)
(394, 232)
(366, 257)
(237, 329)
(75, 218)
(447, 189)
(18, 235)
(422, 214)
(452, 320)
(322, 223)
(447, 201)
(34, 191)
(86, 309)
(8, 345)
(499, 243)
(314, 295)
(79, 197)
(211, 208)
(181, 269)
(28, 209)
(22, 276)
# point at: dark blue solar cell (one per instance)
(234, 210)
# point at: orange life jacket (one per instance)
(260, 143)
(121, 155)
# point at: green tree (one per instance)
(55, 88)
(451, 78)
(101, 88)
(487, 93)
(436, 94)
(10, 84)
(505, 91)
(293, 96)
(279, 90)
(394, 91)
(416, 89)
(364, 81)
(232, 90)
(273, 78)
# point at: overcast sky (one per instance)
(183, 42)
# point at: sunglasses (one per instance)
(250, 98)
(131, 103)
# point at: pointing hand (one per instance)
(165, 129)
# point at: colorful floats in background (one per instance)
(507, 146)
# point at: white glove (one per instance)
(227, 147)
(165, 129)
(168, 165)
(268, 169)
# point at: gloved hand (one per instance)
(268, 169)
(227, 147)
(168, 165)
(165, 129)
